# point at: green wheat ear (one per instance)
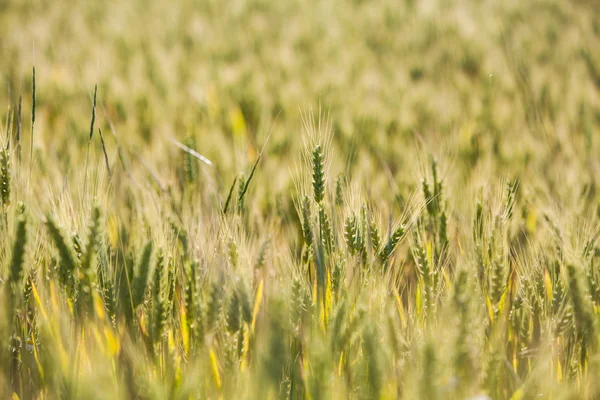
(393, 241)
(584, 319)
(158, 285)
(374, 378)
(18, 254)
(88, 258)
(159, 298)
(325, 230)
(233, 314)
(298, 303)
(5, 176)
(245, 302)
(232, 252)
(213, 304)
(428, 386)
(339, 190)
(143, 274)
(262, 254)
(189, 163)
(107, 287)
(91, 244)
(351, 233)
(307, 221)
(67, 265)
(191, 298)
(318, 167)
(374, 235)
(462, 357)
(498, 263)
(77, 246)
(511, 193)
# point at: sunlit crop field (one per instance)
(301, 199)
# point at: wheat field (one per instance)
(254, 199)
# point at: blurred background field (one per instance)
(514, 82)
(498, 102)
